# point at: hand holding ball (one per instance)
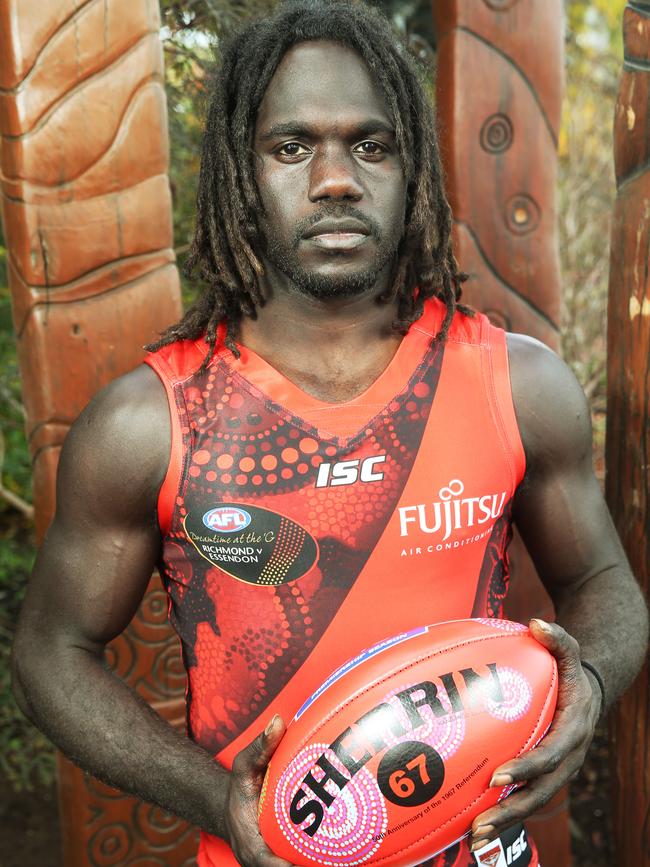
(390, 760)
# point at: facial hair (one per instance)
(284, 256)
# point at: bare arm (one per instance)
(601, 614)
(565, 523)
(89, 578)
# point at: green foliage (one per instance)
(190, 37)
(17, 468)
(26, 757)
(587, 188)
(597, 25)
(3, 261)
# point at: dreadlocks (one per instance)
(224, 251)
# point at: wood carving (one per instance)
(628, 416)
(499, 91)
(87, 218)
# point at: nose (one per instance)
(333, 176)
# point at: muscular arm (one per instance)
(567, 529)
(565, 523)
(89, 578)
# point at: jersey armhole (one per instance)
(504, 404)
(169, 488)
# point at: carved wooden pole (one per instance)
(499, 91)
(628, 416)
(86, 208)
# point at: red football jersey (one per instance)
(298, 532)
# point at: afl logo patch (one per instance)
(227, 519)
(252, 544)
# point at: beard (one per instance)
(283, 255)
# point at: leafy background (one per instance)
(586, 192)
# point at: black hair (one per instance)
(225, 251)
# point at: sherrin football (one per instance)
(390, 760)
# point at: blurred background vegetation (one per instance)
(586, 192)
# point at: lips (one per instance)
(347, 226)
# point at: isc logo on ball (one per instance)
(226, 519)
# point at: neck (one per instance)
(332, 349)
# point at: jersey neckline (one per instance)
(347, 416)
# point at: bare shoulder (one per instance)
(99, 553)
(116, 453)
(551, 409)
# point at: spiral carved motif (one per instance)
(153, 610)
(156, 824)
(523, 214)
(121, 656)
(497, 134)
(167, 676)
(110, 845)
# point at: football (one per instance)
(390, 760)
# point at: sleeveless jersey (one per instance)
(297, 532)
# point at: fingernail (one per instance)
(500, 780)
(479, 844)
(542, 624)
(483, 831)
(271, 723)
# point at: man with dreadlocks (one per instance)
(327, 450)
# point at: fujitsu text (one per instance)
(451, 512)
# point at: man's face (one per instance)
(329, 173)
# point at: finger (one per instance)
(544, 759)
(256, 756)
(563, 646)
(519, 806)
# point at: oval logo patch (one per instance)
(227, 519)
(252, 544)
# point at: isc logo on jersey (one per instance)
(226, 519)
(348, 472)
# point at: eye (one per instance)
(370, 149)
(292, 149)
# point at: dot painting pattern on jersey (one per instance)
(243, 642)
(492, 587)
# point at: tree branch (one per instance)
(17, 502)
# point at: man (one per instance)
(325, 451)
